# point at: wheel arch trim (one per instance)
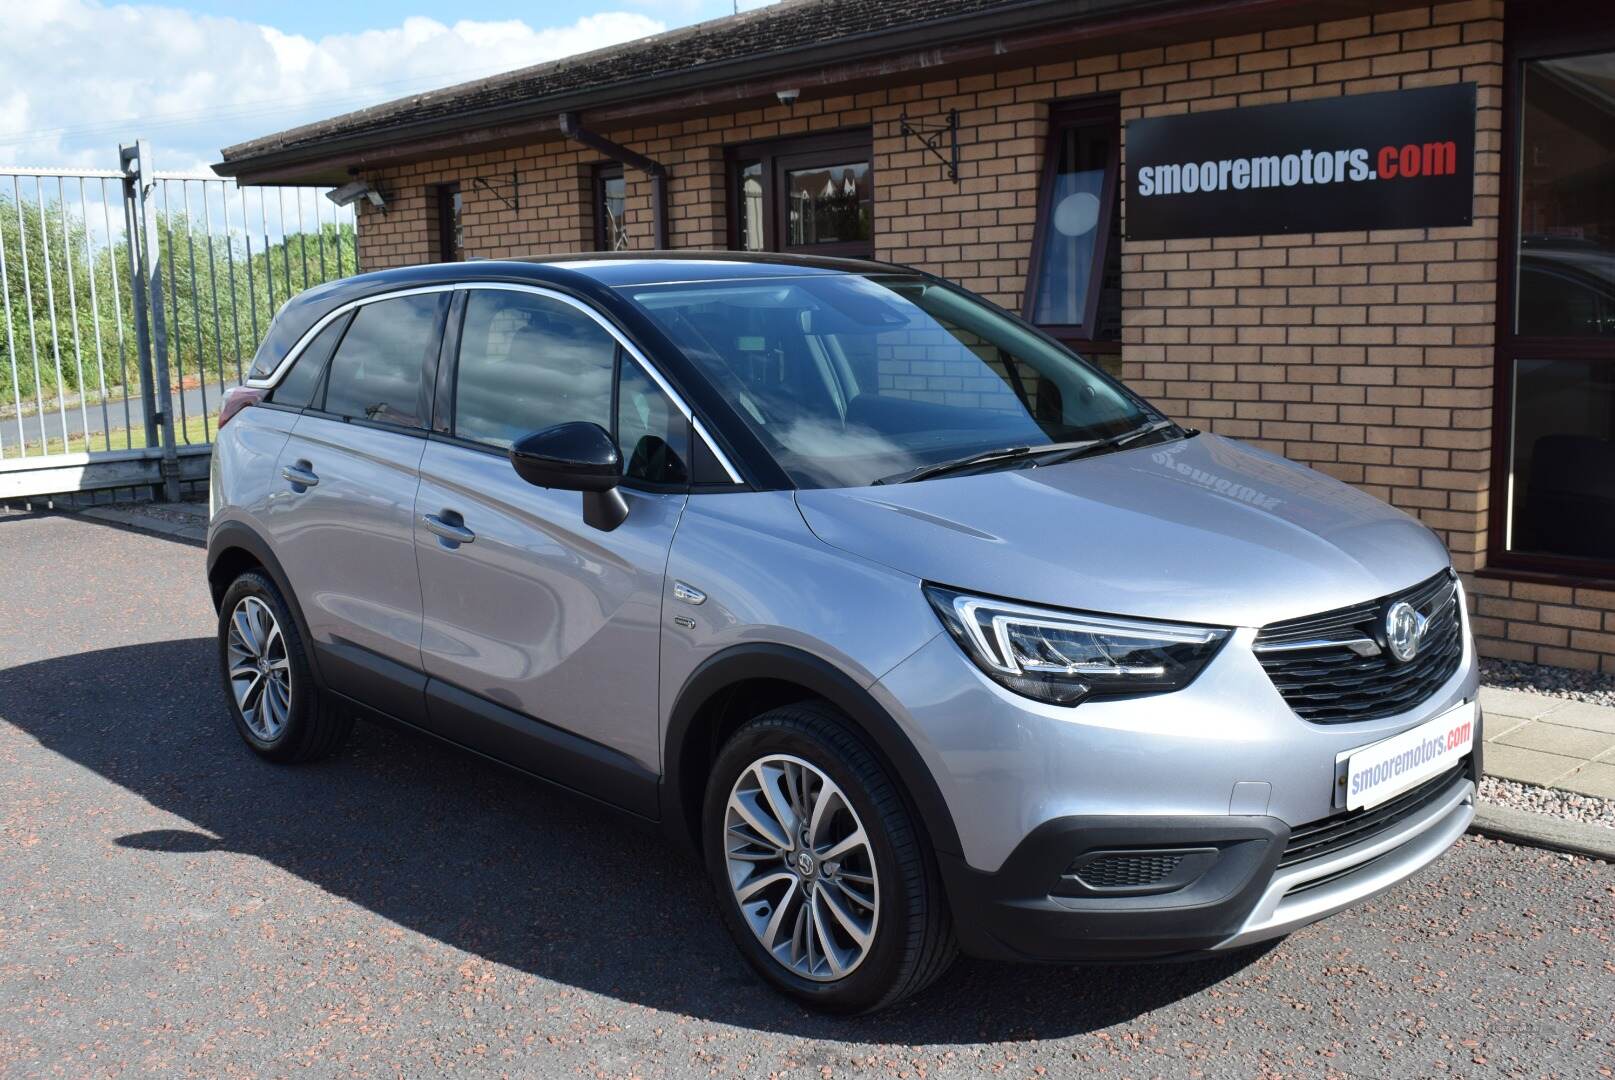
(682, 757)
(235, 534)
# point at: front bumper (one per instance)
(1024, 912)
(1223, 764)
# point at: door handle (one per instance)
(301, 474)
(449, 527)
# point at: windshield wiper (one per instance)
(942, 468)
(1066, 451)
(986, 457)
(1116, 442)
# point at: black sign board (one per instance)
(1396, 160)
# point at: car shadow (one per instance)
(482, 859)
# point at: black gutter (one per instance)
(618, 152)
(993, 23)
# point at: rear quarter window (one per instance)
(298, 386)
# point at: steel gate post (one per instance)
(151, 330)
(137, 293)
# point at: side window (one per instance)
(652, 435)
(298, 386)
(527, 363)
(376, 373)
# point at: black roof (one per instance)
(595, 274)
(776, 40)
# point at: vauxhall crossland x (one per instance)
(924, 634)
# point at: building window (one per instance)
(1073, 280)
(450, 234)
(749, 230)
(1555, 504)
(610, 199)
(813, 195)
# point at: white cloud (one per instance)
(76, 76)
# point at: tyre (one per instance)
(278, 710)
(826, 883)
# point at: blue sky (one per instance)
(193, 76)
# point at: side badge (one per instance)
(685, 621)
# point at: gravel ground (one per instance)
(1556, 682)
(1540, 800)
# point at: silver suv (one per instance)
(920, 631)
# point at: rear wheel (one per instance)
(278, 710)
(824, 880)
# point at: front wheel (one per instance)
(824, 880)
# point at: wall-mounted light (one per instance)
(348, 194)
(787, 97)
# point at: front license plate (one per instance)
(1389, 767)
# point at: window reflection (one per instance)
(611, 191)
(1074, 284)
(749, 204)
(829, 204)
(528, 363)
(1564, 458)
(1566, 279)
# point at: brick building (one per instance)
(1465, 373)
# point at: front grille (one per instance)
(1335, 668)
(1128, 871)
(1332, 834)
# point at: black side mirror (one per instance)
(579, 456)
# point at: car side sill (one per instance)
(397, 692)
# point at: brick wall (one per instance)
(1368, 355)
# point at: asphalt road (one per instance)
(170, 905)
(185, 403)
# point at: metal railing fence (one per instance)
(132, 300)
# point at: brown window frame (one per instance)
(450, 240)
(1083, 112)
(777, 158)
(1536, 32)
(608, 170)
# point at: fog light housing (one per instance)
(1135, 871)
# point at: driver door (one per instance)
(541, 633)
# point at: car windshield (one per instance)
(849, 379)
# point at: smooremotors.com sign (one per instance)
(1396, 160)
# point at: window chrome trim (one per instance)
(267, 381)
(510, 286)
(1362, 646)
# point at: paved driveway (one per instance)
(170, 905)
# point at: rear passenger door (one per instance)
(541, 632)
(343, 519)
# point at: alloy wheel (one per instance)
(801, 867)
(260, 672)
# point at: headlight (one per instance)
(1063, 657)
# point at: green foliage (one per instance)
(48, 269)
(218, 295)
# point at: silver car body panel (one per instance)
(347, 543)
(768, 580)
(1194, 530)
(541, 613)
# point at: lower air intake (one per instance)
(1133, 871)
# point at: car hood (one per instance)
(1201, 529)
